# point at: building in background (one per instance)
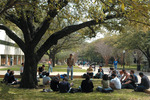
(9, 54)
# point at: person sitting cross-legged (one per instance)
(11, 79)
(130, 83)
(5, 80)
(46, 79)
(41, 70)
(100, 72)
(90, 71)
(55, 83)
(87, 85)
(105, 84)
(125, 76)
(64, 86)
(145, 83)
(115, 82)
(135, 77)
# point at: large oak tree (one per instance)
(34, 18)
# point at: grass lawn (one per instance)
(13, 93)
(133, 67)
(58, 68)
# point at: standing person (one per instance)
(70, 63)
(145, 83)
(11, 61)
(21, 69)
(115, 64)
(50, 66)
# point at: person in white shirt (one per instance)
(21, 69)
(46, 79)
(115, 82)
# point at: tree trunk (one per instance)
(53, 60)
(106, 61)
(29, 78)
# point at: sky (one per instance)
(98, 36)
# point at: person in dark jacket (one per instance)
(5, 80)
(11, 79)
(87, 85)
(129, 84)
(64, 86)
(145, 83)
(54, 83)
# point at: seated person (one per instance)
(40, 70)
(125, 76)
(64, 86)
(100, 72)
(129, 84)
(54, 83)
(5, 80)
(115, 82)
(11, 79)
(145, 83)
(135, 77)
(120, 73)
(46, 79)
(105, 84)
(87, 85)
(110, 71)
(90, 71)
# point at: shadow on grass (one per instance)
(5, 94)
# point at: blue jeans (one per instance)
(99, 88)
(100, 74)
(115, 66)
(50, 68)
(68, 70)
(140, 88)
(127, 86)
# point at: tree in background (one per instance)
(68, 42)
(105, 50)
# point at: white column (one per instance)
(17, 60)
(21, 59)
(6, 60)
(12, 60)
(0, 60)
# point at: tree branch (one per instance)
(52, 40)
(45, 24)
(14, 37)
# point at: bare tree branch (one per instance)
(14, 37)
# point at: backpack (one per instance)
(74, 90)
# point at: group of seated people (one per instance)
(120, 79)
(115, 80)
(9, 78)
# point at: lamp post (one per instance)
(123, 58)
